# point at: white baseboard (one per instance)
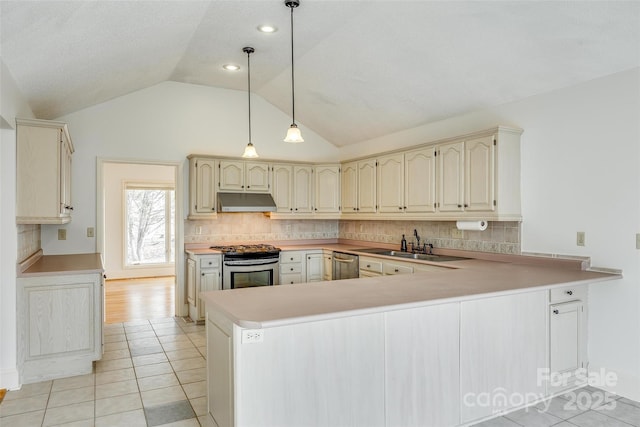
(10, 379)
(626, 385)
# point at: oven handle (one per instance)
(250, 262)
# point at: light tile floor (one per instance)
(585, 407)
(152, 374)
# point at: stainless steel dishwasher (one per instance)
(345, 266)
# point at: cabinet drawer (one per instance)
(291, 278)
(369, 265)
(365, 273)
(209, 262)
(568, 293)
(292, 257)
(390, 268)
(291, 268)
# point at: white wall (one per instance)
(12, 105)
(167, 122)
(580, 172)
(115, 176)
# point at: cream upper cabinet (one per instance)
(282, 187)
(451, 177)
(367, 186)
(302, 189)
(326, 188)
(420, 181)
(479, 174)
(359, 187)
(349, 185)
(239, 176)
(391, 183)
(202, 188)
(44, 150)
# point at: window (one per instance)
(149, 224)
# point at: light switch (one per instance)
(90, 232)
(638, 241)
(580, 238)
(62, 234)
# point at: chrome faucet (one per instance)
(415, 233)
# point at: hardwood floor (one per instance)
(139, 299)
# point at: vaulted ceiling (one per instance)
(363, 68)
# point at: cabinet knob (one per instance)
(296, 208)
(400, 207)
(466, 205)
(104, 276)
(354, 209)
(459, 206)
(555, 312)
(290, 209)
(202, 274)
(396, 270)
(291, 268)
(569, 292)
(368, 266)
(248, 186)
(405, 208)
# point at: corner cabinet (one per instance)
(44, 151)
(59, 325)
(203, 273)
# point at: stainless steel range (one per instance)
(246, 266)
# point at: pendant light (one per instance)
(293, 134)
(249, 151)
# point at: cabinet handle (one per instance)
(459, 206)
(405, 208)
(400, 207)
(396, 270)
(555, 312)
(569, 292)
(104, 276)
(466, 205)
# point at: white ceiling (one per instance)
(363, 68)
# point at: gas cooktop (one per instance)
(246, 249)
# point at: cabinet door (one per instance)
(451, 177)
(327, 268)
(302, 188)
(282, 187)
(191, 281)
(421, 366)
(349, 184)
(479, 174)
(420, 180)
(65, 175)
(391, 268)
(502, 351)
(203, 187)
(314, 267)
(367, 186)
(231, 175)
(327, 189)
(391, 184)
(257, 177)
(566, 343)
(209, 281)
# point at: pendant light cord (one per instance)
(293, 96)
(249, 90)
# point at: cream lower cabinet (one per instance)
(567, 338)
(292, 267)
(59, 325)
(314, 267)
(203, 273)
(43, 172)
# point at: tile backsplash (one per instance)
(499, 237)
(256, 227)
(28, 240)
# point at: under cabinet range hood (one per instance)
(246, 202)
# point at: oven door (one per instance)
(250, 273)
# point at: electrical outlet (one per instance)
(580, 238)
(288, 228)
(252, 336)
(62, 234)
(457, 234)
(90, 232)
(198, 229)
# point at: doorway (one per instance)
(139, 235)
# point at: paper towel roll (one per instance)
(471, 225)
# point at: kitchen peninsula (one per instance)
(393, 350)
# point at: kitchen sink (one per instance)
(410, 255)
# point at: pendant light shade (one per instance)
(293, 134)
(249, 151)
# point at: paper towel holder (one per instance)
(472, 225)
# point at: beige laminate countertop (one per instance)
(48, 265)
(264, 307)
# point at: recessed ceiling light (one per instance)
(231, 67)
(267, 28)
